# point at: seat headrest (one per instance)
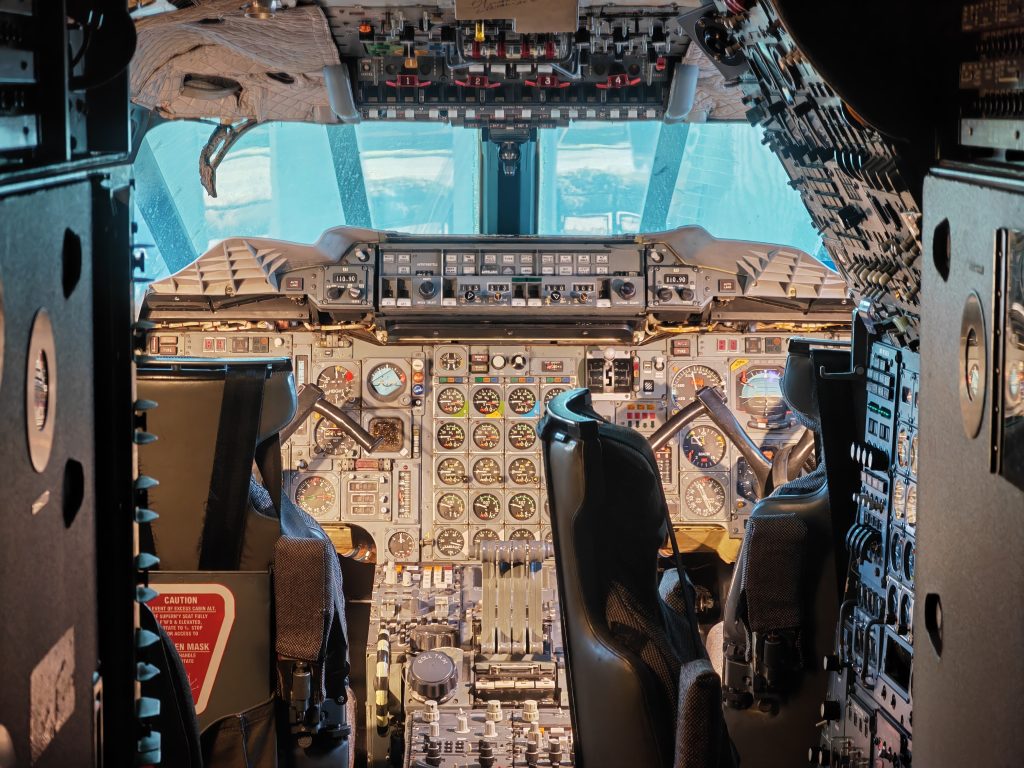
(798, 386)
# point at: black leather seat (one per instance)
(220, 528)
(782, 605)
(628, 641)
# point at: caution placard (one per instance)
(198, 619)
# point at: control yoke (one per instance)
(710, 402)
(311, 398)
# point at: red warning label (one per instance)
(198, 619)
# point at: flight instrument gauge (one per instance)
(451, 401)
(522, 534)
(450, 506)
(451, 436)
(899, 495)
(521, 400)
(522, 436)
(486, 436)
(705, 497)
(451, 471)
(487, 471)
(552, 393)
(450, 360)
(704, 446)
(402, 546)
(523, 471)
(913, 455)
(449, 542)
(484, 534)
(912, 505)
(387, 382)
(759, 393)
(339, 383)
(486, 400)
(392, 431)
(691, 380)
(903, 448)
(315, 495)
(331, 439)
(522, 506)
(486, 507)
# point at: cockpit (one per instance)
(510, 384)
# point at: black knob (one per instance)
(333, 293)
(428, 289)
(832, 663)
(665, 294)
(469, 296)
(686, 294)
(831, 710)
(555, 296)
(518, 362)
(627, 290)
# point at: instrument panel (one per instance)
(461, 462)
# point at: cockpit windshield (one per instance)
(292, 181)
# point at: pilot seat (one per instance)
(642, 690)
(781, 609)
(249, 609)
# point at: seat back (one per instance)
(624, 646)
(227, 546)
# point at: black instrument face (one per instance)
(705, 497)
(486, 436)
(523, 471)
(315, 495)
(522, 436)
(487, 471)
(486, 401)
(486, 507)
(331, 439)
(402, 546)
(449, 542)
(704, 446)
(522, 507)
(340, 384)
(451, 436)
(521, 401)
(690, 380)
(451, 401)
(451, 471)
(450, 506)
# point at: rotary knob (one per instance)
(428, 289)
(433, 675)
(665, 294)
(627, 290)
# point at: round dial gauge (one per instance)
(451, 471)
(746, 482)
(392, 429)
(522, 534)
(903, 448)
(41, 391)
(486, 436)
(913, 455)
(906, 610)
(690, 380)
(486, 506)
(973, 380)
(523, 471)
(552, 393)
(705, 497)
(912, 505)
(704, 446)
(484, 534)
(549, 537)
(449, 542)
(450, 401)
(450, 360)
(899, 495)
(339, 384)
(521, 400)
(759, 393)
(487, 471)
(522, 506)
(450, 436)
(486, 400)
(332, 439)
(522, 436)
(401, 546)
(450, 506)
(315, 495)
(909, 560)
(387, 381)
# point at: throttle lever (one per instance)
(714, 403)
(311, 398)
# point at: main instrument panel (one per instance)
(447, 352)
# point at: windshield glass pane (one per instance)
(620, 179)
(292, 181)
